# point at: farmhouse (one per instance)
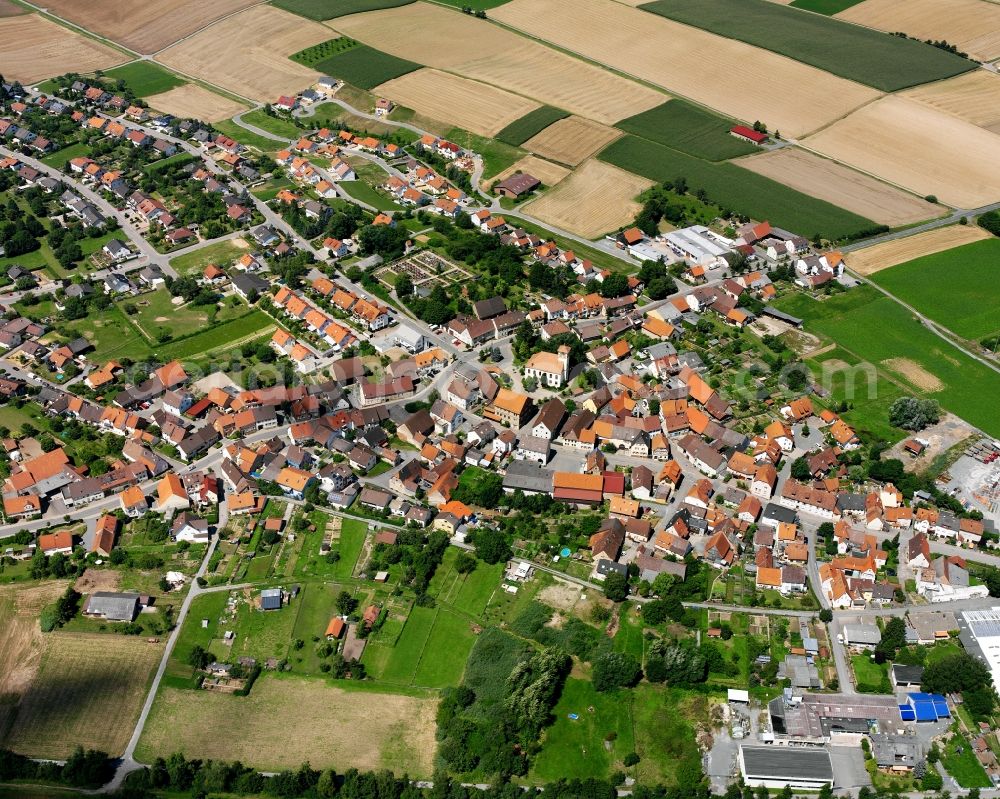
(517, 185)
(748, 134)
(112, 606)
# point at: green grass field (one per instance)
(402, 663)
(324, 9)
(959, 288)
(475, 5)
(871, 677)
(445, 652)
(828, 7)
(873, 328)
(580, 741)
(861, 54)
(532, 123)
(964, 766)
(217, 337)
(222, 254)
(869, 400)
(366, 193)
(688, 128)
(60, 157)
(279, 127)
(738, 189)
(145, 78)
(364, 66)
(352, 539)
(229, 128)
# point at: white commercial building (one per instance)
(980, 634)
(699, 245)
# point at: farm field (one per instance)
(917, 147)
(474, 106)
(400, 736)
(973, 26)
(547, 172)
(844, 187)
(719, 73)
(8, 8)
(83, 677)
(887, 63)
(37, 48)
(974, 97)
(365, 67)
(21, 640)
(520, 130)
(144, 27)
(465, 46)
(247, 53)
(869, 260)
(739, 189)
(595, 199)
(688, 128)
(571, 140)
(828, 7)
(145, 78)
(958, 288)
(191, 100)
(875, 329)
(324, 9)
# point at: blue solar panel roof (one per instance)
(906, 713)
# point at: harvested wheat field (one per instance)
(594, 200)
(919, 148)
(973, 26)
(844, 187)
(35, 48)
(21, 642)
(11, 9)
(720, 73)
(458, 43)
(571, 140)
(398, 730)
(470, 105)
(82, 678)
(547, 172)
(191, 100)
(974, 97)
(247, 53)
(914, 374)
(869, 260)
(142, 26)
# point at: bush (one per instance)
(615, 670)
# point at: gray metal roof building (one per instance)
(778, 766)
(112, 606)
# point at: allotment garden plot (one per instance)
(426, 270)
